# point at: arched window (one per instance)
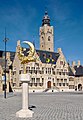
(48, 38)
(42, 38)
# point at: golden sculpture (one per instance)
(30, 54)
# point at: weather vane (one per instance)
(29, 56)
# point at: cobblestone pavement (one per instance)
(46, 106)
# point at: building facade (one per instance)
(51, 71)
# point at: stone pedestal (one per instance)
(25, 112)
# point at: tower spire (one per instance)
(46, 19)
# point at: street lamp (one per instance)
(5, 40)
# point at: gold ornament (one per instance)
(30, 54)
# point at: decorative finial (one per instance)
(46, 12)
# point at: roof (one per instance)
(1, 53)
(47, 57)
(70, 72)
(46, 19)
(79, 70)
(12, 54)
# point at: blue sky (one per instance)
(22, 19)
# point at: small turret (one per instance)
(46, 19)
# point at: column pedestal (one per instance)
(25, 112)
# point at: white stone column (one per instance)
(25, 97)
(25, 112)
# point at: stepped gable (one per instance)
(2, 60)
(12, 55)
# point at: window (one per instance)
(61, 62)
(53, 84)
(42, 38)
(20, 72)
(50, 56)
(59, 73)
(57, 80)
(48, 38)
(71, 79)
(37, 80)
(42, 80)
(65, 80)
(33, 80)
(63, 84)
(63, 73)
(71, 86)
(61, 80)
(59, 84)
(44, 55)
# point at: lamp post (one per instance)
(5, 40)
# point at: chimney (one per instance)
(78, 63)
(73, 63)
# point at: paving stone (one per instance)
(46, 106)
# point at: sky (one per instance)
(22, 19)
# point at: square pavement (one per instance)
(46, 106)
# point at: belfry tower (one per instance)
(46, 34)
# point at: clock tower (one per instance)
(46, 34)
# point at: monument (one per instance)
(25, 56)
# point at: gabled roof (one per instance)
(70, 71)
(45, 56)
(79, 70)
(12, 54)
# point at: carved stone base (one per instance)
(24, 113)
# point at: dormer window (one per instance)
(44, 55)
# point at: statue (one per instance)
(30, 57)
(25, 57)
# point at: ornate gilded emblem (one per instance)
(26, 56)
